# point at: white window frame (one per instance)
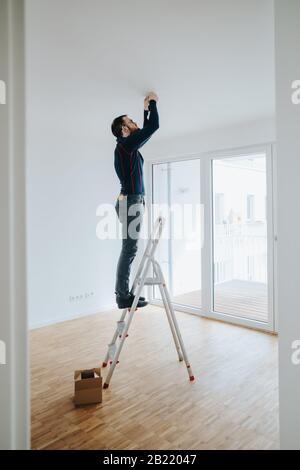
(206, 159)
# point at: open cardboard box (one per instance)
(88, 386)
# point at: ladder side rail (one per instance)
(125, 332)
(114, 338)
(145, 255)
(169, 317)
(189, 369)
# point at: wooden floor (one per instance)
(246, 299)
(233, 404)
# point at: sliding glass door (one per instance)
(177, 186)
(240, 248)
(217, 254)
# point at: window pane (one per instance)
(186, 233)
(178, 183)
(240, 237)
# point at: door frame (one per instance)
(14, 373)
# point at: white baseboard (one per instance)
(53, 321)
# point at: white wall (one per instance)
(90, 61)
(14, 376)
(69, 173)
(227, 137)
(287, 37)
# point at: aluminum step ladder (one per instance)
(121, 332)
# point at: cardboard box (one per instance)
(88, 386)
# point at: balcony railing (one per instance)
(240, 252)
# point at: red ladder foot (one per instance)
(105, 385)
(104, 364)
(192, 377)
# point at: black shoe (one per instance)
(126, 303)
(140, 297)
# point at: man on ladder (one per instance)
(128, 164)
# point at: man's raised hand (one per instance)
(152, 96)
(146, 103)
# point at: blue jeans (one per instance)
(130, 211)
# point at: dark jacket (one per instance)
(128, 160)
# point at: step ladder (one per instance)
(140, 280)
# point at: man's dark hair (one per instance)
(116, 126)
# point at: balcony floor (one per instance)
(246, 299)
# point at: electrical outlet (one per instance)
(2, 92)
(2, 352)
(80, 297)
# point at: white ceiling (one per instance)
(211, 62)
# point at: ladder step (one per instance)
(151, 281)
